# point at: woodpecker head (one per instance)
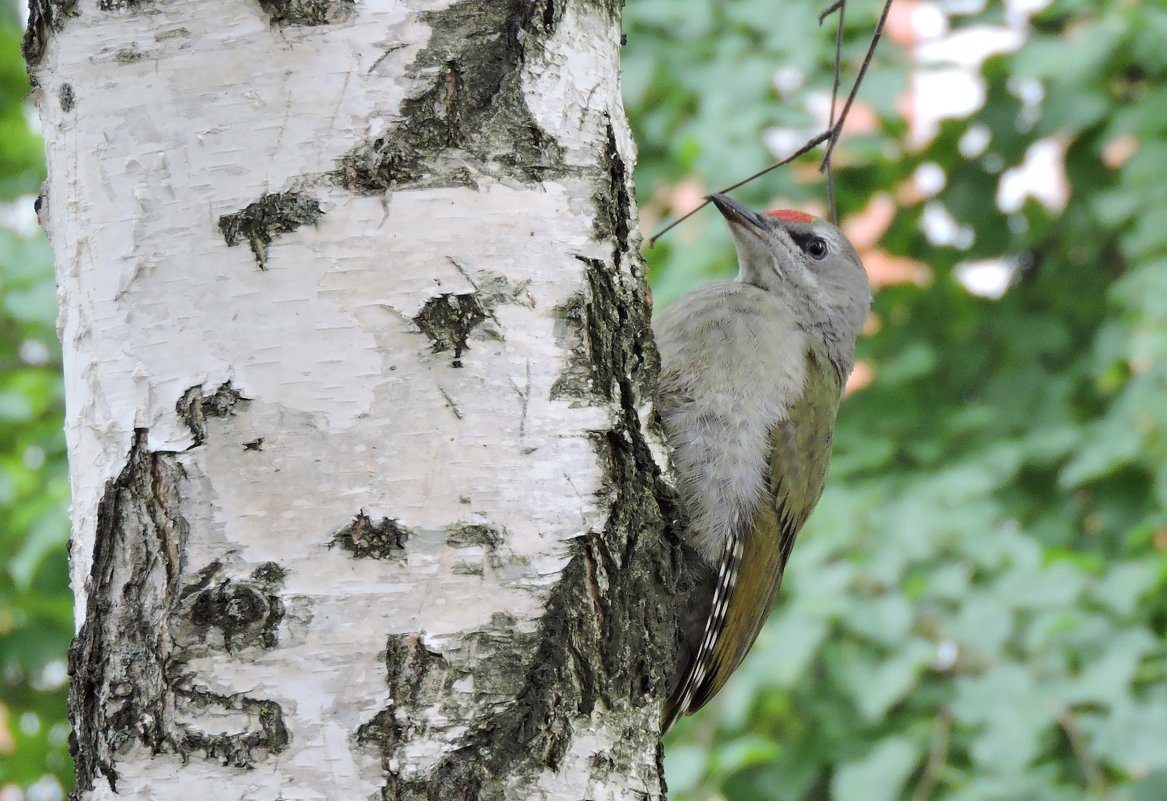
(808, 262)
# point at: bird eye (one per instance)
(816, 248)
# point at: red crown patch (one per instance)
(792, 216)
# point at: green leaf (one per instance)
(889, 682)
(1010, 712)
(886, 619)
(1131, 737)
(1125, 583)
(684, 767)
(1153, 787)
(878, 776)
(745, 752)
(1107, 680)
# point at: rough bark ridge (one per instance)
(44, 16)
(472, 117)
(127, 662)
(118, 658)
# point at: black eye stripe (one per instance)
(804, 241)
(801, 238)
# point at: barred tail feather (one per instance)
(729, 567)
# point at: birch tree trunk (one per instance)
(357, 361)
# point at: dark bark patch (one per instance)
(232, 613)
(194, 408)
(365, 539)
(270, 573)
(44, 18)
(267, 733)
(613, 645)
(421, 680)
(127, 664)
(607, 331)
(122, 5)
(470, 115)
(254, 445)
(128, 55)
(413, 684)
(462, 535)
(448, 320)
(260, 222)
(307, 12)
(613, 201)
(66, 97)
(380, 731)
(575, 380)
(118, 661)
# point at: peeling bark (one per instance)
(364, 538)
(307, 12)
(194, 408)
(266, 218)
(127, 661)
(382, 518)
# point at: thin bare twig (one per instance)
(842, 6)
(806, 148)
(937, 757)
(831, 9)
(835, 127)
(838, 129)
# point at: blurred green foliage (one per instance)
(977, 610)
(36, 618)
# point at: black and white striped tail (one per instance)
(727, 575)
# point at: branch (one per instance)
(806, 148)
(937, 757)
(841, 5)
(838, 129)
(831, 9)
(1090, 768)
(834, 129)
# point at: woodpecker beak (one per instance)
(738, 216)
(754, 239)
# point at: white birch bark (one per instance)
(355, 351)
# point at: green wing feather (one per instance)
(800, 451)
